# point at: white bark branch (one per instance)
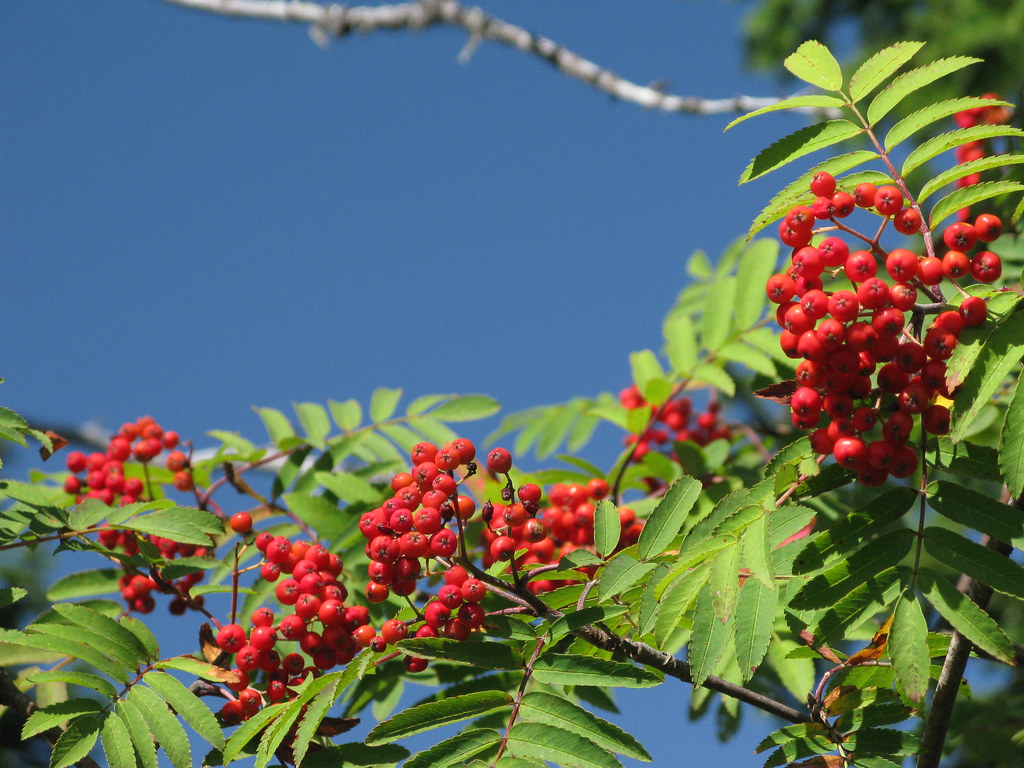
(337, 21)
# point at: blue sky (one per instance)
(201, 215)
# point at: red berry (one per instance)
(823, 184)
(231, 638)
(888, 200)
(988, 227)
(499, 461)
(973, 310)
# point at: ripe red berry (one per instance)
(499, 461)
(823, 184)
(241, 522)
(888, 200)
(988, 227)
(850, 452)
(955, 264)
(907, 221)
(864, 194)
(986, 267)
(503, 548)
(231, 638)
(973, 310)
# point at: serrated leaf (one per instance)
(483, 655)
(755, 617)
(142, 740)
(976, 510)
(313, 717)
(620, 574)
(801, 142)
(186, 526)
(965, 169)
(76, 742)
(52, 716)
(880, 67)
(278, 427)
(679, 593)
(911, 81)
(947, 141)
(965, 197)
(187, 705)
(996, 358)
(74, 677)
(883, 741)
(908, 646)
(827, 588)
(973, 341)
(724, 580)
(203, 669)
(607, 527)
(966, 617)
(546, 708)
(315, 422)
(247, 730)
(757, 551)
(815, 732)
(163, 725)
(436, 714)
(570, 622)
(456, 750)
(84, 584)
(554, 744)
(127, 646)
(383, 403)
(665, 522)
(816, 101)
(575, 669)
(708, 640)
(714, 376)
(812, 62)
(978, 562)
(321, 514)
(1011, 444)
(56, 638)
(466, 408)
(913, 123)
(117, 742)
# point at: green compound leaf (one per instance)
(315, 422)
(1011, 444)
(966, 169)
(76, 742)
(709, 639)
(913, 123)
(355, 753)
(756, 265)
(965, 197)
(74, 677)
(647, 371)
(717, 318)
(668, 517)
(435, 714)
(163, 725)
(976, 510)
(84, 584)
(966, 617)
(55, 714)
(680, 343)
(797, 144)
(607, 528)
(621, 573)
(880, 67)
(186, 526)
(553, 744)
(978, 562)
(911, 81)
(755, 617)
(62, 639)
(974, 340)
(818, 101)
(456, 750)
(466, 408)
(574, 669)
(815, 732)
(348, 415)
(247, 730)
(882, 741)
(947, 141)
(908, 646)
(128, 645)
(724, 581)
(142, 739)
(482, 655)
(278, 427)
(313, 708)
(187, 705)
(813, 63)
(383, 403)
(675, 601)
(117, 742)
(546, 708)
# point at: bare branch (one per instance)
(337, 21)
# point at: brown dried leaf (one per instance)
(778, 393)
(875, 648)
(821, 761)
(56, 441)
(833, 699)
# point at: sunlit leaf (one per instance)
(546, 708)
(925, 116)
(966, 617)
(880, 67)
(665, 522)
(435, 714)
(801, 142)
(816, 101)
(755, 617)
(965, 197)
(812, 62)
(911, 81)
(550, 743)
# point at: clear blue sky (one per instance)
(200, 215)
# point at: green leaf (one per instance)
(456, 750)
(348, 487)
(880, 67)
(607, 527)
(436, 714)
(976, 510)
(247, 730)
(482, 655)
(883, 741)
(1011, 444)
(757, 551)
(163, 725)
(668, 517)
(52, 716)
(348, 415)
(87, 514)
(675, 601)
(128, 646)
(801, 142)
(186, 526)
(815, 733)
(717, 316)
(574, 669)
(946, 141)
(813, 63)
(75, 677)
(973, 341)
(756, 265)
(966, 617)
(825, 589)
(383, 403)
(680, 343)
(965, 169)
(725, 581)
(978, 562)
(913, 123)
(84, 584)
(570, 622)
(965, 197)
(59, 639)
(817, 101)
(466, 408)
(313, 709)
(142, 740)
(187, 705)
(646, 368)
(143, 633)
(321, 514)
(76, 742)
(911, 81)
(235, 441)
(876, 593)
(908, 646)
(713, 376)
(1000, 355)
(117, 742)
(550, 743)
(315, 422)
(755, 617)
(546, 708)
(621, 573)
(278, 427)
(355, 753)
(708, 640)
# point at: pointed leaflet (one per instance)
(680, 343)
(908, 646)
(717, 318)
(454, 751)
(84, 584)
(708, 640)
(186, 526)
(966, 617)
(907, 83)
(965, 169)
(315, 701)
(817, 101)
(163, 725)
(974, 340)
(117, 742)
(54, 638)
(913, 123)
(76, 742)
(757, 552)
(756, 265)
(315, 422)
(348, 415)
(976, 510)
(880, 67)
(724, 581)
(383, 402)
(668, 517)
(946, 141)
(115, 633)
(812, 62)
(57, 713)
(1011, 444)
(648, 375)
(546, 708)
(466, 408)
(436, 714)
(98, 684)
(553, 744)
(621, 573)
(247, 730)
(482, 655)
(141, 738)
(714, 376)
(797, 144)
(755, 617)
(277, 425)
(187, 705)
(995, 360)
(607, 527)
(675, 600)
(968, 196)
(978, 562)
(574, 669)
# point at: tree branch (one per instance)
(337, 21)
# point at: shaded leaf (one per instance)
(621, 573)
(708, 640)
(163, 725)
(976, 510)
(966, 617)
(554, 744)
(1011, 444)
(84, 584)
(456, 750)
(978, 562)
(76, 742)
(483, 655)
(966, 169)
(908, 646)
(436, 714)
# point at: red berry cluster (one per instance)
(863, 366)
(671, 422)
